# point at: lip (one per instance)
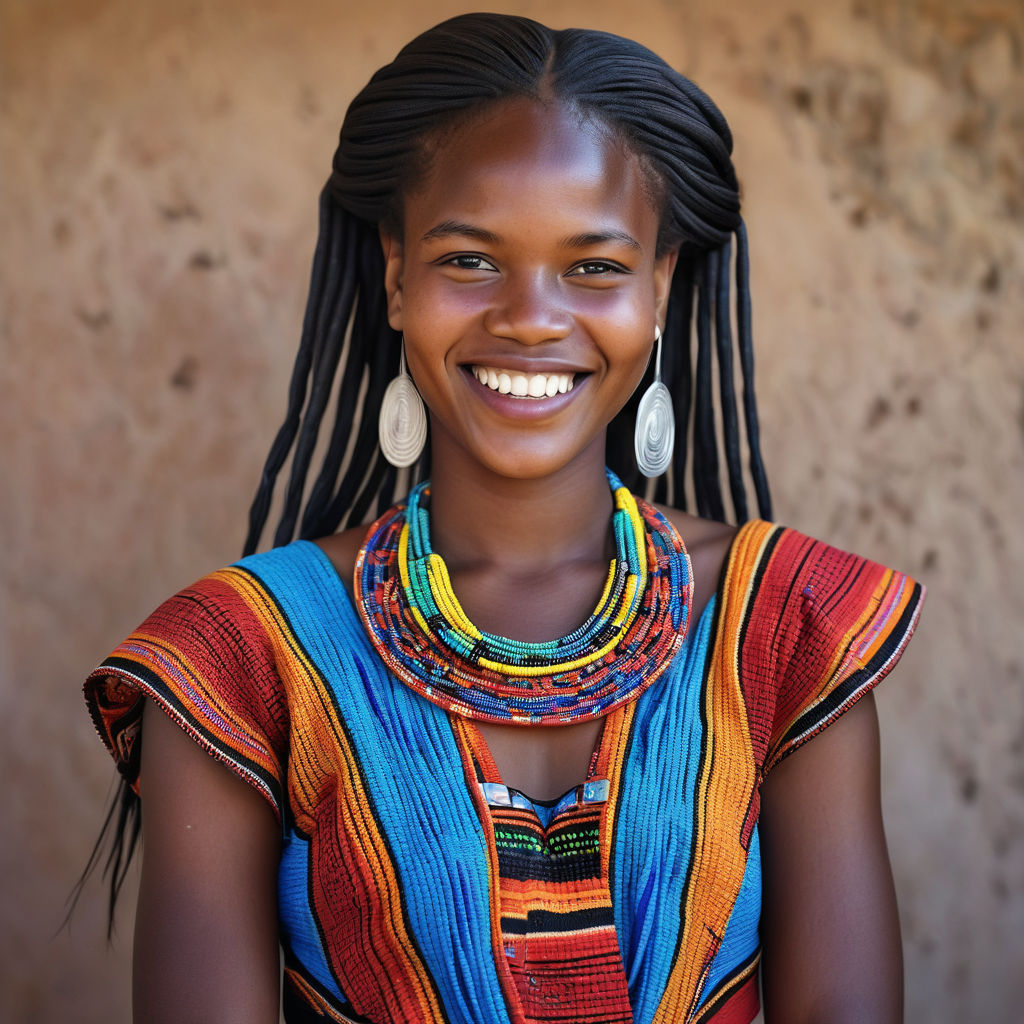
(525, 408)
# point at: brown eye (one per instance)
(594, 267)
(468, 261)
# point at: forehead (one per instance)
(530, 162)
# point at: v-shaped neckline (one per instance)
(481, 752)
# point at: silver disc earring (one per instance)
(655, 434)
(402, 424)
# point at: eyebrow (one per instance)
(588, 238)
(448, 228)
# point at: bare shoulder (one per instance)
(707, 542)
(343, 550)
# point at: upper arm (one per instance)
(206, 946)
(830, 930)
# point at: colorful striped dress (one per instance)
(415, 886)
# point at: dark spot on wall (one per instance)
(902, 510)
(817, 471)
(969, 129)
(802, 98)
(865, 513)
(992, 524)
(913, 406)
(968, 788)
(880, 410)
(999, 888)
(203, 259)
(184, 210)
(185, 376)
(983, 318)
(930, 561)
(95, 320)
(858, 216)
(61, 232)
(908, 318)
(992, 279)
(1008, 177)
(308, 105)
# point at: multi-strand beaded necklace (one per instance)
(421, 632)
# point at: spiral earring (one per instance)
(402, 424)
(655, 435)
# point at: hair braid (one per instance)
(726, 391)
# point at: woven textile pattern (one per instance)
(414, 886)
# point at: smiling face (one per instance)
(527, 287)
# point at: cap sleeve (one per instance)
(206, 660)
(842, 624)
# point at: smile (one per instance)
(522, 385)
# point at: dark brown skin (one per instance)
(206, 923)
(493, 268)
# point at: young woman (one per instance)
(518, 751)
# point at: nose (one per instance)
(529, 309)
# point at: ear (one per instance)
(664, 268)
(394, 267)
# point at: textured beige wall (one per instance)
(159, 165)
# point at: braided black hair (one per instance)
(442, 76)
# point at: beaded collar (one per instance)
(418, 627)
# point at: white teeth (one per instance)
(537, 385)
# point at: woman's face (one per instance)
(527, 287)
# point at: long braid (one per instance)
(746, 343)
(705, 447)
(726, 390)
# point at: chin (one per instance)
(531, 462)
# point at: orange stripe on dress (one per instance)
(724, 791)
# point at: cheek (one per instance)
(436, 311)
(616, 322)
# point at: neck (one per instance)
(480, 518)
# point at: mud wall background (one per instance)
(159, 166)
